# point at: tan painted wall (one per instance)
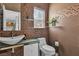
(68, 33)
(12, 6)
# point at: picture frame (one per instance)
(39, 18)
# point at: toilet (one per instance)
(46, 49)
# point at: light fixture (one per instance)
(29, 18)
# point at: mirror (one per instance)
(11, 18)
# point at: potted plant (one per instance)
(53, 21)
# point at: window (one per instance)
(39, 18)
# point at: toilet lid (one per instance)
(48, 48)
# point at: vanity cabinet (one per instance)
(17, 52)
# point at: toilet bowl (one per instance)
(46, 49)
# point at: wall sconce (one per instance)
(29, 18)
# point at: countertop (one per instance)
(19, 44)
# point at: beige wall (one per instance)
(12, 6)
(68, 33)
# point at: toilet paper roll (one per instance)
(56, 43)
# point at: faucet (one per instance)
(25, 36)
(12, 34)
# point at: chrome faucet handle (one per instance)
(11, 33)
(25, 36)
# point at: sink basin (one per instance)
(11, 40)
